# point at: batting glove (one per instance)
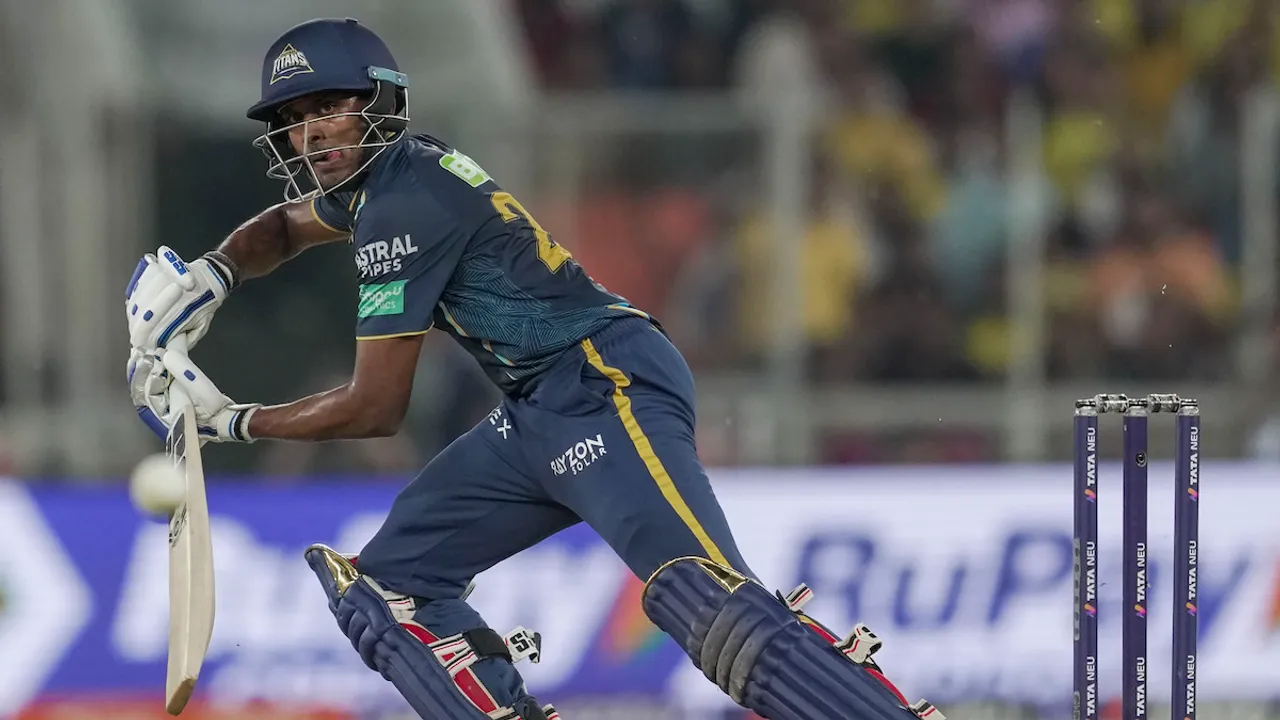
(218, 417)
(149, 390)
(167, 296)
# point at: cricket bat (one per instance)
(191, 590)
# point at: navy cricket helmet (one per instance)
(325, 55)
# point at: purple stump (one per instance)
(1186, 539)
(1085, 670)
(1134, 619)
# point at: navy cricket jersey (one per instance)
(438, 243)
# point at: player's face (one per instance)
(320, 126)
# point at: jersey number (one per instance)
(550, 253)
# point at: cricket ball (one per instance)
(157, 487)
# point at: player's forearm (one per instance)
(261, 244)
(337, 414)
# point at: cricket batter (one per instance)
(596, 423)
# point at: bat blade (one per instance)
(191, 586)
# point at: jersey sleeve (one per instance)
(332, 213)
(407, 248)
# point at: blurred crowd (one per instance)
(904, 257)
(1137, 184)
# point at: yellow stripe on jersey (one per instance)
(393, 335)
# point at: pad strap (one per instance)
(486, 643)
(459, 652)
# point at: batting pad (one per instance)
(431, 673)
(754, 648)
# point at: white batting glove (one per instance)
(167, 297)
(149, 390)
(218, 417)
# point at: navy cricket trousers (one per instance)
(606, 437)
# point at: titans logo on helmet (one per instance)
(288, 63)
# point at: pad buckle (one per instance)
(926, 711)
(798, 598)
(860, 645)
(524, 644)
